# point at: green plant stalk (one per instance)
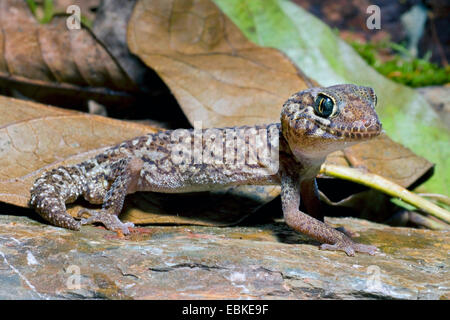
(384, 185)
(420, 220)
(427, 222)
(85, 21)
(438, 197)
(32, 6)
(48, 11)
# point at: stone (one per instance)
(263, 261)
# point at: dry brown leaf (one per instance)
(384, 157)
(221, 78)
(381, 156)
(389, 159)
(217, 75)
(49, 62)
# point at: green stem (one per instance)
(32, 6)
(384, 185)
(48, 11)
(427, 222)
(438, 197)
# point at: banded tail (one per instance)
(53, 190)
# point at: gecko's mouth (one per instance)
(353, 131)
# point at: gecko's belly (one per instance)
(181, 161)
(194, 178)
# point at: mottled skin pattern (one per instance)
(304, 138)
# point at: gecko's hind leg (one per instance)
(109, 220)
(122, 175)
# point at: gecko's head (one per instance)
(318, 121)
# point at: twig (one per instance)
(436, 196)
(384, 185)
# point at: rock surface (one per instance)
(266, 261)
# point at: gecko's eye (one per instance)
(323, 106)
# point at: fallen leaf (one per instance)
(380, 156)
(217, 75)
(216, 208)
(49, 62)
(385, 157)
(223, 79)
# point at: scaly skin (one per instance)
(314, 123)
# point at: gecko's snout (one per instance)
(355, 117)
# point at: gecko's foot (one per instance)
(350, 247)
(110, 221)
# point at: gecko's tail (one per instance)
(52, 191)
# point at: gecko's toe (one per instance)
(124, 227)
(338, 247)
(372, 250)
(350, 247)
(110, 221)
(72, 224)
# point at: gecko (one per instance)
(313, 123)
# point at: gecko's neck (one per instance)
(309, 166)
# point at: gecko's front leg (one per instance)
(330, 238)
(310, 199)
(123, 175)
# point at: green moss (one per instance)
(402, 67)
(46, 12)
